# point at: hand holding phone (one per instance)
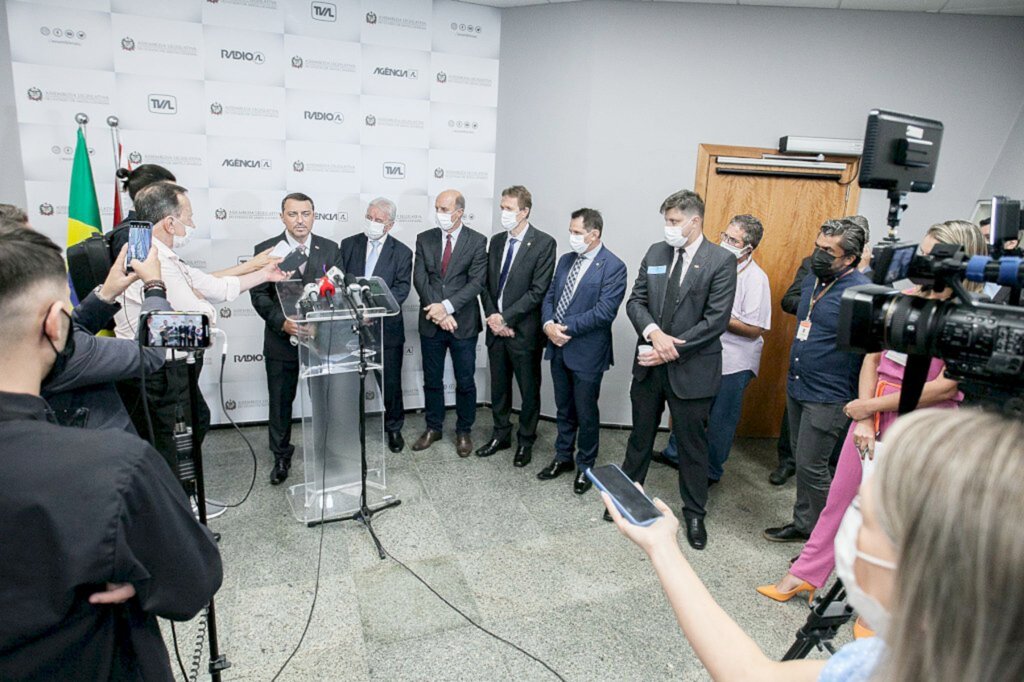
(177, 331)
(140, 240)
(630, 502)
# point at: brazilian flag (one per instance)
(83, 208)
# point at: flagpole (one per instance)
(82, 120)
(115, 140)
(113, 122)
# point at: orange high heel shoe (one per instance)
(772, 593)
(861, 630)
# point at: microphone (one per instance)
(355, 290)
(326, 288)
(307, 302)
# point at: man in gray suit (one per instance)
(449, 274)
(680, 307)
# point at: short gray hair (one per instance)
(684, 200)
(752, 228)
(155, 202)
(863, 223)
(852, 236)
(387, 206)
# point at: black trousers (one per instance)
(282, 384)
(508, 361)
(168, 400)
(689, 426)
(394, 408)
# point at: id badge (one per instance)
(803, 330)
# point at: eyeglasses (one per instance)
(731, 241)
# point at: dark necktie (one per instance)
(508, 264)
(668, 308)
(447, 256)
(567, 291)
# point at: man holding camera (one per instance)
(167, 207)
(99, 538)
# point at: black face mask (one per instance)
(821, 265)
(62, 356)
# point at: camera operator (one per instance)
(168, 208)
(932, 555)
(881, 382)
(90, 559)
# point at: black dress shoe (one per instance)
(781, 474)
(395, 441)
(524, 453)
(582, 483)
(787, 533)
(494, 446)
(607, 516)
(696, 534)
(554, 470)
(428, 438)
(280, 471)
(713, 481)
(657, 456)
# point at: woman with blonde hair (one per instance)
(881, 381)
(932, 552)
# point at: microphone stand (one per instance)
(365, 513)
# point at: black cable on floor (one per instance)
(252, 452)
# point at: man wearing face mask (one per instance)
(821, 378)
(99, 538)
(282, 358)
(579, 309)
(376, 253)
(521, 260)
(741, 344)
(680, 307)
(167, 206)
(449, 274)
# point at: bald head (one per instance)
(451, 202)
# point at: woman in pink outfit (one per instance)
(875, 409)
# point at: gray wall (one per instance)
(1007, 176)
(604, 103)
(12, 179)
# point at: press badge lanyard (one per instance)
(804, 330)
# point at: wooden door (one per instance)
(792, 203)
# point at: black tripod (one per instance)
(828, 614)
(365, 514)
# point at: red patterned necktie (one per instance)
(447, 257)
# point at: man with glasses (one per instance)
(741, 344)
(374, 253)
(821, 379)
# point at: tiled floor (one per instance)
(527, 559)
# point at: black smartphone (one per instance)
(292, 261)
(634, 505)
(140, 240)
(177, 331)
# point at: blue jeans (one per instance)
(463, 353)
(722, 422)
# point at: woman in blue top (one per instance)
(931, 554)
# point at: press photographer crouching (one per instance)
(931, 554)
(98, 536)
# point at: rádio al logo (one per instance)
(439, 173)
(35, 94)
(220, 214)
(135, 157)
(442, 77)
(225, 312)
(371, 18)
(297, 62)
(243, 56)
(331, 116)
(371, 120)
(127, 44)
(216, 108)
(298, 166)
(45, 209)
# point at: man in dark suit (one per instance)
(449, 274)
(579, 308)
(680, 306)
(374, 253)
(282, 358)
(521, 260)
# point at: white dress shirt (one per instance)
(690, 251)
(753, 306)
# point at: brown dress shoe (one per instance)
(463, 444)
(426, 440)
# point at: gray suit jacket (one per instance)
(701, 317)
(462, 283)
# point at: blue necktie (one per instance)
(508, 264)
(371, 261)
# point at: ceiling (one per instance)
(989, 7)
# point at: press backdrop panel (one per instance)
(246, 100)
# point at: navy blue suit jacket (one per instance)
(590, 315)
(394, 266)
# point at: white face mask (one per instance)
(509, 220)
(577, 242)
(444, 221)
(179, 241)
(738, 251)
(846, 555)
(674, 236)
(373, 230)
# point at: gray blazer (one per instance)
(701, 317)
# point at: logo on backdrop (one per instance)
(394, 170)
(229, 404)
(371, 120)
(225, 312)
(127, 44)
(340, 216)
(162, 104)
(249, 357)
(45, 209)
(324, 11)
(35, 94)
(62, 35)
(296, 62)
(442, 77)
(247, 163)
(243, 56)
(371, 18)
(216, 108)
(220, 214)
(463, 125)
(135, 157)
(394, 72)
(466, 29)
(298, 166)
(329, 116)
(439, 173)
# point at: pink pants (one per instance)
(818, 555)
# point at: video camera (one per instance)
(982, 344)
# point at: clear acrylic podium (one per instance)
(332, 390)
